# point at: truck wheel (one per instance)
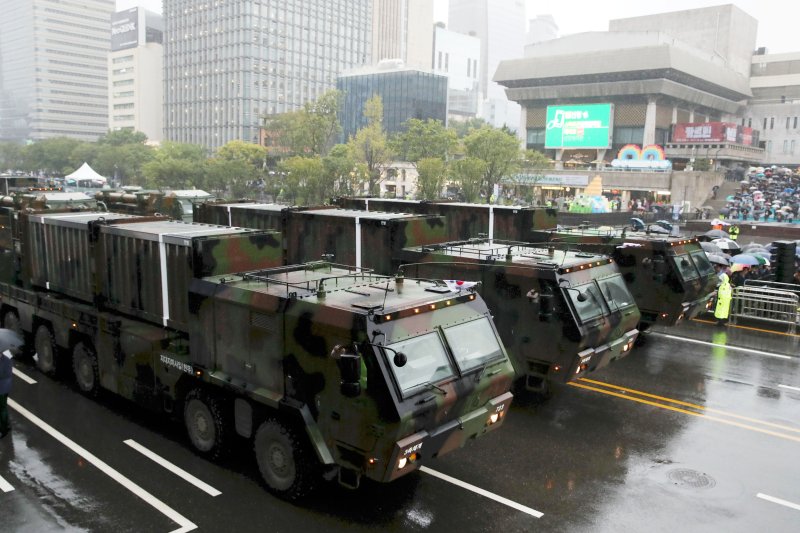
(84, 365)
(46, 351)
(204, 424)
(287, 464)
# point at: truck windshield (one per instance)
(702, 263)
(427, 362)
(616, 292)
(685, 267)
(473, 343)
(587, 301)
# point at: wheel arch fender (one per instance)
(300, 414)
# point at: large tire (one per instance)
(285, 460)
(84, 366)
(46, 350)
(205, 424)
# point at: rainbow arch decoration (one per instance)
(651, 157)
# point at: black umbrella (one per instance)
(9, 339)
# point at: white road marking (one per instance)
(736, 348)
(790, 388)
(160, 506)
(24, 377)
(773, 499)
(5, 486)
(482, 492)
(178, 471)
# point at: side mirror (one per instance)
(581, 297)
(349, 369)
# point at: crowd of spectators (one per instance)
(769, 194)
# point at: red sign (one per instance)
(704, 132)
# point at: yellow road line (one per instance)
(692, 405)
(749, 328)
(686, 412)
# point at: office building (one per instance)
(775, 106)
(541, 28)
(500, 26)
(229, 64)
(135, 66)
(403, 29)
(457, 56)
(406, 93)
(53, 69)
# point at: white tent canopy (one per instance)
(86, 173)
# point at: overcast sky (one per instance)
(778, 20)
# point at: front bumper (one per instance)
(424, 445)
(598, 357)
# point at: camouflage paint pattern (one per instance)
(647, 262)
(466, 220)
(173, 204)
(271, 334)
(545, 336)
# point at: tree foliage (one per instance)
(305, 181)
(176, 166)
(464, 128)
(432, 178)
(311, 129)
(468, 175)
(370, 146)
(52, 156)
(424, 139)
(499, 151)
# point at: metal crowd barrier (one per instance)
(766, 303)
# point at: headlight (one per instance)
(493, 418)
(401, 464)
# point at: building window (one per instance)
(795, 122)
(771, 123)
(439, 65)
(769, 146)
(786, 147)
(788, 121)
(447, 62)
(765, 123)
(791, 149)
(750, 122)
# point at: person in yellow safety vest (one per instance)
(724, 293)
(733, 231)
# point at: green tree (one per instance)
(464, 128)
(232, 177)
(432, 178)
(424, 139)
(11, 156)
(369, 146)
(468, 175)
(311, 129)
(252, 154)
(124, 162)
(533, 164)
(122, 137)
(500, 152)
(176, 166)
(304, 180)
(51, 156)
(343, 172)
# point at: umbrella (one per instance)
(746, 259)
(726, 244)
(736, 267)
(717, 259)
(710, 248)
(716, 234)
(9, 339)
(718, 222)
(730, 198)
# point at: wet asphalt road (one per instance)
(679, 435)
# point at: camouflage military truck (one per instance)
(670, 277)
(466, 220)
(589, 335)
(48, 200)
(360, 238)
(560, 314)
(324, 369)
(174, 204)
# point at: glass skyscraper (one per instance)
(406, 93)
(228, 64)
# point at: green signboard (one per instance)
(579, 126)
